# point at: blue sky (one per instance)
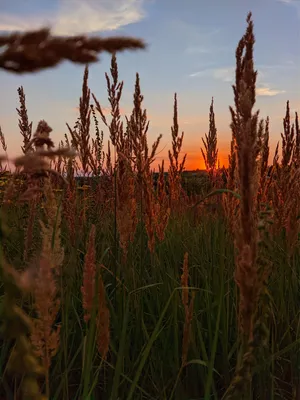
(191, 51)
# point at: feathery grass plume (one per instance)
(115, 127)
(24, 125)
(138, 126)
(296, 152)
(80, 135)
(41, 137)
(210, 152)
(36, 164)
(41, 283)
(73, 134)
(290, 210)
(259, 154)
(2, 140)
(284, 188)
(33, 51)
(264, 169)
(83, 136)
(142, 158)
(230, 203)
(105, 190)
(210, 156)
(114, 91)
(45, 337)
(287, 138)
(56, 164)
(126, 211)
(245, 128)
(4, 147)
(149, 216)
(97, 143)
(66, 165)
(232, 165)
(89, 276)
(188, 309)
(70, 172)
(108, 166)
(244, 125)
(70, 163)
(162, 209)
(176, 167)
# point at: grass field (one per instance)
(124, 284)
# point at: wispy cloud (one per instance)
(205, 49)
(198, 50)
(267, 91)
(223, 74)
(286, 1)
(198, 74)
(293, 3)
(192, 33)
(197, 40)
(228, 75)
(76, 17)
(286, 64)
(203, 42)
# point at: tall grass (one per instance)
(124, 284)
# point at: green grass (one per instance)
(147, 316)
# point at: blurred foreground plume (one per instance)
(36, 50)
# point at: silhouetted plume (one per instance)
(36, 50)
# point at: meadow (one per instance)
(125, 284)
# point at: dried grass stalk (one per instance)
(176, 166)
(210, 151)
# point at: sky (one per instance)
(191, 51)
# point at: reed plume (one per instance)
(244, 126)
(142, 158)
(210, 151)
(24, 125)
(4, 148)
(246, 135)
(162, 208)
(44, 336)
(176, 166)
(33, 51)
